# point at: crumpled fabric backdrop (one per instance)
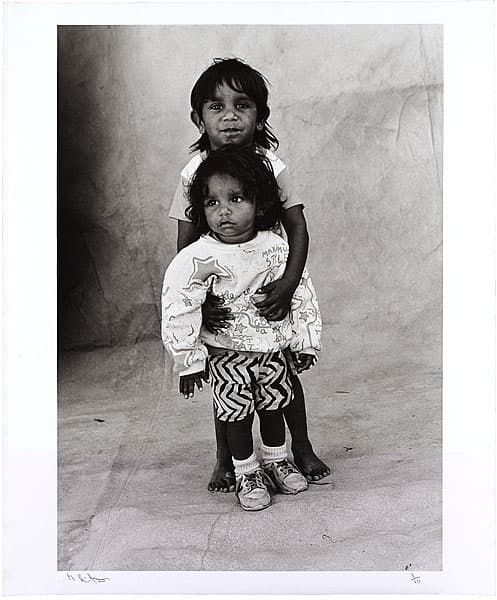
(358, 112)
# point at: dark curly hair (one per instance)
(255, 174)
(241, 78)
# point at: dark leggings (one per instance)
(239, 433)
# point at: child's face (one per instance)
(229, 213)
(230, 117)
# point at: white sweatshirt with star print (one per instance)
(233, 272)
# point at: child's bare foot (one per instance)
(313, 468)
(223, 476)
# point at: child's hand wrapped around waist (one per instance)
(273, 300)
(215, 315)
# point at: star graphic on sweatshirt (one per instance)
(239, 329)
(203, 268)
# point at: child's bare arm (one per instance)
(279, 293)
(186, 234)
(298, 240)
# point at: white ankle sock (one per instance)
(273, 453)
(242, 467)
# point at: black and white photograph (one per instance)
(249, 323)
(357, 112)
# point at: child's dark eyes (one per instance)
(210, 202)
(239, 106)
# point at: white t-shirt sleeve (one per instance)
(180, 202)
(288, 197)
(283, 178)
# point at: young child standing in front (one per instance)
(229, 105)
(235, 203)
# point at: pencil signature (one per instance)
(86, 578)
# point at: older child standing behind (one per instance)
(230, 106)
(234, 204)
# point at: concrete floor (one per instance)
(135, 459)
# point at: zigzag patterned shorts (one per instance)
(248, 381)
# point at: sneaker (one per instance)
(252, 492)
(286, 477)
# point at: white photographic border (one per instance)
(30, 296)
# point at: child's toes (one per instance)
(215, 486)
(224, 486)
(228, 487)
(317, 475)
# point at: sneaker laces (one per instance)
(254, 480)
(285, 467)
